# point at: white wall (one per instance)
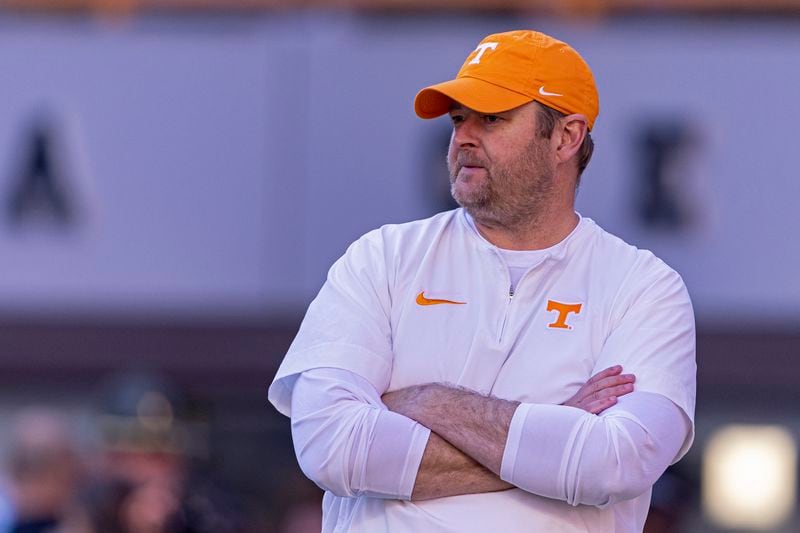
(220, 166)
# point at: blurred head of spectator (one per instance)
(43, 470)
(145, 437)
(143, 481)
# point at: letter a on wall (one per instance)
(40, 189)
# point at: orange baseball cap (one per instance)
(510, 69)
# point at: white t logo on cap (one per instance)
(481, 49)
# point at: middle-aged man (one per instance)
(434, 382)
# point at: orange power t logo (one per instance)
(563, 312)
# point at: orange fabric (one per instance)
(421, 300)
(510, 69)
(563, 312)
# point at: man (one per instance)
(434, 382)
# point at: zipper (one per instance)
(508, 309)
(511, 292)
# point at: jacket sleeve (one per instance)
(347, 326)
(652, 335)
(348, 443)
(565, 453)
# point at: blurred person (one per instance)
(144, 482)
(6, 510)
(145, 443)
(97, 508)
(43, 471)
(464, 372)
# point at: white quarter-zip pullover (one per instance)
(431, 301)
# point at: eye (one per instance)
(455, 118)
(491, 119)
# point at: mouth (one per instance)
(467, 165)
(467, 173)
(469, 161)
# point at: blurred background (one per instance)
(176, 176)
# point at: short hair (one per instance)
(547, 119)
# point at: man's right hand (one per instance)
(602, 390)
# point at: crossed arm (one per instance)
(464, 453)
(470, 431)
(349, 444)
(552, 451)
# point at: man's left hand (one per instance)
(602, 390)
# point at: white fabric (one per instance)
(348, 442)
(634, 311)
(596, 460)
(620, 453)
(517, 261)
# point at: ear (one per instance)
(570, 132)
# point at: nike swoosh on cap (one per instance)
(421, 300)
(545, 93)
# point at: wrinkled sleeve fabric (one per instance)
(568, 454)
(347, 326)
(347, 441)
(333, 375)
(653, 336)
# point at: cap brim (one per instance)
(473, 93)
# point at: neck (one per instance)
(536, 234)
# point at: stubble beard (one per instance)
(514, 196)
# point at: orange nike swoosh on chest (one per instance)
(421, 300)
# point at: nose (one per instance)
(467, 132)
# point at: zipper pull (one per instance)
(511, 293)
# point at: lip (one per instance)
(467, 172)
(469, 158)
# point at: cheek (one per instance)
(452, 157)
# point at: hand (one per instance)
(602, 390)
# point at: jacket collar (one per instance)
(557, 252)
